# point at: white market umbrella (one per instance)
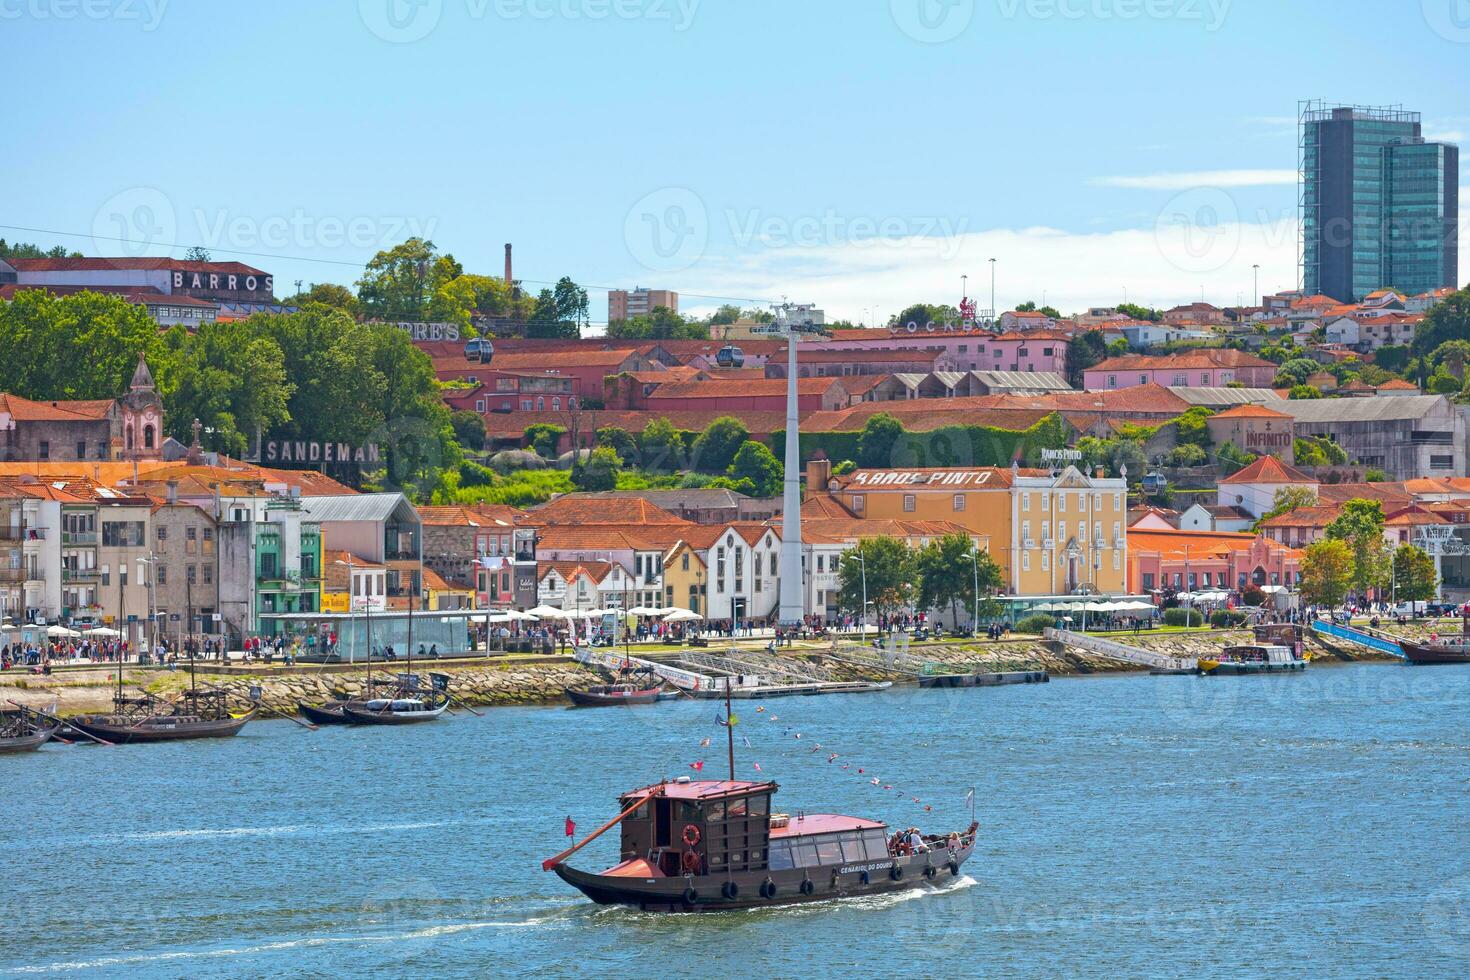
(548, 612)
(105, 631)
(1135, 605)
(645, 611)
(60, 631)
(681, 616)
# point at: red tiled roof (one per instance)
(95, 264)
(1269, 469)
(766, 387)
(1207, 358)
(1398, 384)
(1250, 412)
(575, 508)
(25, 410)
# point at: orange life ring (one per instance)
(691, 834)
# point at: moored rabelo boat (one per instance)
(22, 730)
(1440, 649)
(411, 705)
(606, 695)
(713, 845)
(191, 714)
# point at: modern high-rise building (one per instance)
(624, 304)
(1379, 204)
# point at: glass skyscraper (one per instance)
(1379, 205)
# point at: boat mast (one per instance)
(411, 600)
(730, 727)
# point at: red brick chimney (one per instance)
(509, 279)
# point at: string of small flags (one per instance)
(790, 731)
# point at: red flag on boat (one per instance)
(571, 827)
(697, 766)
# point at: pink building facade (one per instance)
(970, 350)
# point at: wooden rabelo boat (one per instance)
(605, 695)
(22, 730)
(196, 714)
(411, 704)
(1253, 658)
(712, 845)
(1448, 649)
(193, 713)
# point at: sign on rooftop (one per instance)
(940, 478)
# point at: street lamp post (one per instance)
(975, 567)
(992, 291)
(863, 564)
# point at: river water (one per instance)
(1311, 825)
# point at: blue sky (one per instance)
(859, 154)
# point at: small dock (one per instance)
(1121, 651)
(1370, 639)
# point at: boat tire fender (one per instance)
(930, 871)
(730, 890)
(897, 873)
(690, 896)
(954, 869)
(807, 887)
(768, 889)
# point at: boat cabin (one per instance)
(1259, 653)
(1281, 634)
(715, 826)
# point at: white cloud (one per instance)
(1160, 266)
(1185, 180)
(1447, 136)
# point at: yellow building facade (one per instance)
(1052, 532)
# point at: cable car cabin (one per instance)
(1155, 483)
(730, 357)
(480, 349)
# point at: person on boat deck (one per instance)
(953, 841)
(916, 841)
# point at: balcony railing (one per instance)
(80, 574)
(12, 576)
(78, 537)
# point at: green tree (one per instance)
(229, 377)
(661, 323)
(1295, 371)
(890, 575)
(725, 315)
(1232, 458)
(1447, 320)
(328, 294)
(1288, 499)
(26, 250)
(1304, 392)
(600, 471)
(1190, 427)
(1414, 577)
(717, 445)
(948, 570)
(463, 298)
(543, 438)
(661, 446)
(1030, 307)
(469, 429)
(756, 463)
(559, 312)
(1137, 312)
(1360, 527)
(398, 283)
(880, 434)
(1327, 572)
(80, 346)
(620, 441)
(923, 313)
(1085, 350)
